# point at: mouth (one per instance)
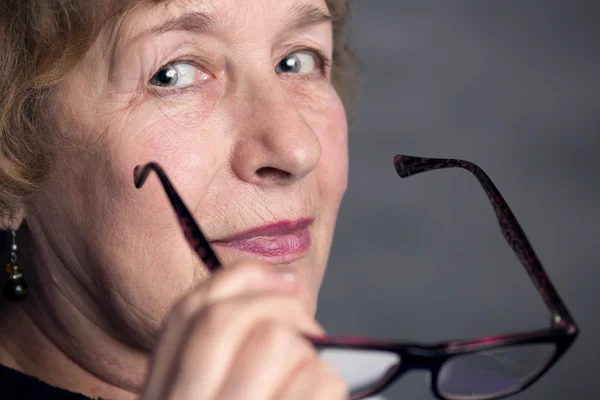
(280, 243)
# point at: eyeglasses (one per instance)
(482, 369)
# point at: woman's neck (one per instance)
(58, 335)
(30, 344)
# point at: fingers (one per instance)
(315, 380)
(270, 354)
(220, 330)
(242, 279)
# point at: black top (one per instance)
(15, 385)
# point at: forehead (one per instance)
(223, 16)
(241, 8)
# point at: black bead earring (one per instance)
(16, 288)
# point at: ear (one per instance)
(16, 218)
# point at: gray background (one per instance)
(512, 86)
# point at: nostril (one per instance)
(273, 173)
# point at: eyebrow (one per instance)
(297, 17)
(303, 15)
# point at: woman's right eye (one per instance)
(178, 75)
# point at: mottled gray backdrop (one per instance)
(513, 86)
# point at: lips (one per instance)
(281, 242)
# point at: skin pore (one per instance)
(233, 98)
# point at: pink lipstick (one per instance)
(281, 242)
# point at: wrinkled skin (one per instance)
(244, 143)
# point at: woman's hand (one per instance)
(241, 336)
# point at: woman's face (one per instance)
(233, 99)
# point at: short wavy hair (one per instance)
(42, 40)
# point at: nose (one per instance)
(275, 143)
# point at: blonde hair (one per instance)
(41, 41)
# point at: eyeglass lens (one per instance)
(475, 376)
(361, 369)
(489, 374)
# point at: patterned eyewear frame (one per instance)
(436, 357)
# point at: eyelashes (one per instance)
(296, 62)
(178, 74)
(182, 74)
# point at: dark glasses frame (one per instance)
(561, 333)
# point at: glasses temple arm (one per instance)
(190, 228)
(510, 227)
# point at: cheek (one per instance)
(332, 129)
(323, 110)
(161, 115)
(331, 173)
(187, 109)
(178, 132)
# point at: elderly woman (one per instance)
(240, 101)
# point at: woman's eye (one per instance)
(178, 74)
(301, 62)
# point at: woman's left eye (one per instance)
(177, 75)
(300, 62)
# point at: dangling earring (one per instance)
(16, 288)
